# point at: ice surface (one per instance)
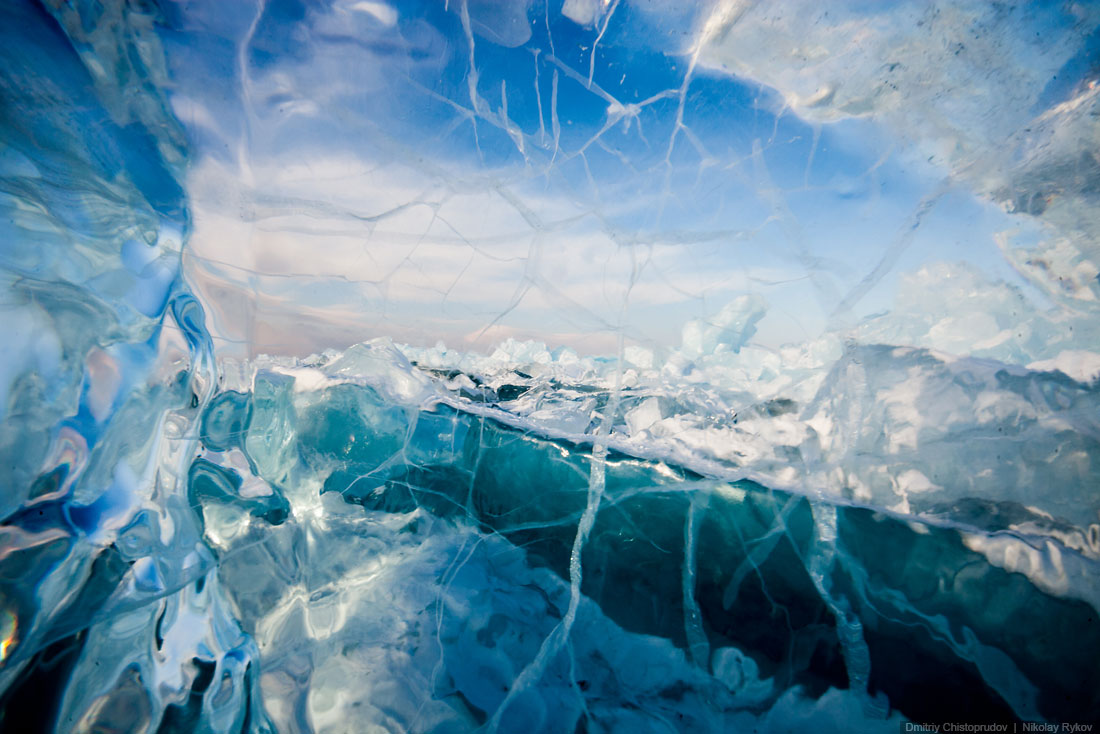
(548, 366)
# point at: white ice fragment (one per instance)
(638, 356)
(308, 379)
(513, 351)
(914, 481)
(564, 356)
(566, 418)
(644, 415)
(677, 365)
(1079, 364)
(381, 365)
(459, 382)
(729, 329)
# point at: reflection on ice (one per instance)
(772, 399)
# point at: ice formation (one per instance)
(525, 366)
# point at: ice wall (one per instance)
(548, 366)
(108, 361)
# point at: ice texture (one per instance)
(771, 400)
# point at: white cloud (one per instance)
(350, 242)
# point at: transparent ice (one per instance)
(516, 366)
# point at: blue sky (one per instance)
(375, 169)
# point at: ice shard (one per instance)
(542, 366)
